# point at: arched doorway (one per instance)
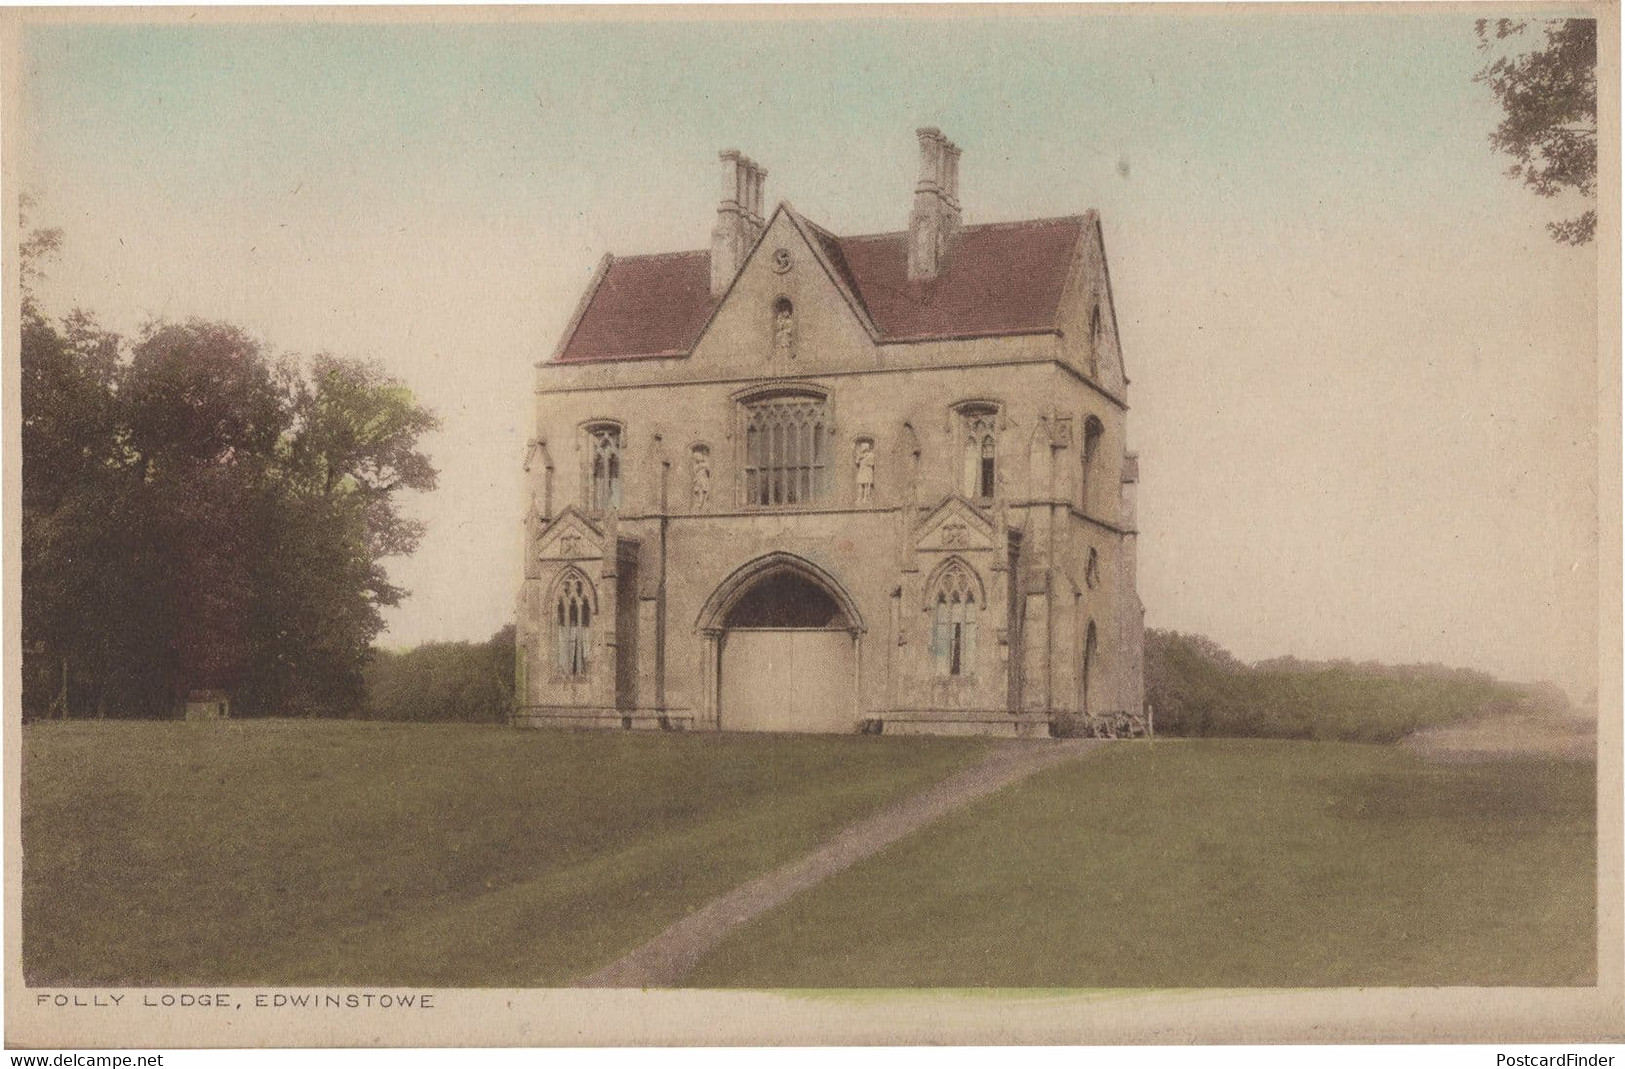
(786, 641)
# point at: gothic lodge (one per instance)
(808, 482)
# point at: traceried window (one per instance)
(604, 473)
(953, 632)
(981, 451)
(787, 441)
(573, 611)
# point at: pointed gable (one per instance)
(571, 536)
(954, 525)
(1088, 317)
(785, 269)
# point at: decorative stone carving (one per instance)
(570, 537)
(954, 525)
(700, 469)
(864, 460)
(784, 327)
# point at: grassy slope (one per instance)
(258, 852)
(1206, 863)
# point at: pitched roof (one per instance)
(644, 306)
(999, 279)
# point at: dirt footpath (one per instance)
(666, 959)
(1569, 738)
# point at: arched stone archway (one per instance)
(782, 649)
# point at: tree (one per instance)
(198, 515)
(470, 682)
(1549, 96)
(75, 529)
(38, 245)
(202, 411)
(330, 518)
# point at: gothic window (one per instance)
(787, 441)
(1091, 573)
(604, 472)
(573, 617)
(953, 626)
(981, 451)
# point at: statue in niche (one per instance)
(700, 465)
(784, 327)
(865, 461)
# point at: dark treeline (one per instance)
(444, 681)
(1196, 687)
(198, 515)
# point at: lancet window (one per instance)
(955, 606)
(573, 611)
(604, 466)
(981, 452)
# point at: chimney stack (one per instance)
(739, 218)
(936, 204)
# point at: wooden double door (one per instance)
(787, 679)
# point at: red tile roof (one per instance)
(999, 279)
(645, 306)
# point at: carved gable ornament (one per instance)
(570, 537)
(954, 526)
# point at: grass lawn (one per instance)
(244, 852)
(1214, 863)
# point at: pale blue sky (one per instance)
(1362, 374)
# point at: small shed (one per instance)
(207, 705)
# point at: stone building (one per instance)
(807, 482)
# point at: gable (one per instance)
(1088, 296)
(570, 537)
(953, 526)
(824, 321)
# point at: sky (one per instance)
(1363, 377)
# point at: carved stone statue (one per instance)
(784, 328)
(865, 461)
(701, 468)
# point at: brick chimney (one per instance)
(739, 218)
(936, 204)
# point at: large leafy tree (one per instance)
(81, 586)
(349, 451)
(199, 515)
(1549, 97)
(201, 412)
